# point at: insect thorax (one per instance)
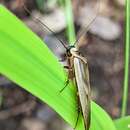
(72, 50)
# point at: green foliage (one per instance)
(127, 57)
(44, 5)
(70, 23)
(27, 61)
(40, 4)
(123, 123)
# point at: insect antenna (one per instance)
(86, 29)
(42, 24)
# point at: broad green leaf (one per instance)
(100, 119)
(27, 61)
(123, 123)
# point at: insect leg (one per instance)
(66, 67)
(68, 78)
(66, 84)
(78, 114)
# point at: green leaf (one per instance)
(100, 119)
(123, 123)
(27, 61)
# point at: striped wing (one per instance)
(83, 86)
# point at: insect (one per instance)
(78, 72)
(78, 67)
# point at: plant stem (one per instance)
(70, 22)
(127, 50)
(40, 4)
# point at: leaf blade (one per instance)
(123, 123)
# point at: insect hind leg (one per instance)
(66, 84)
(77, 118)
(68, 79)
(78, 110)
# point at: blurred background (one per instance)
(103, 46)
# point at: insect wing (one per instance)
(83, 85)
